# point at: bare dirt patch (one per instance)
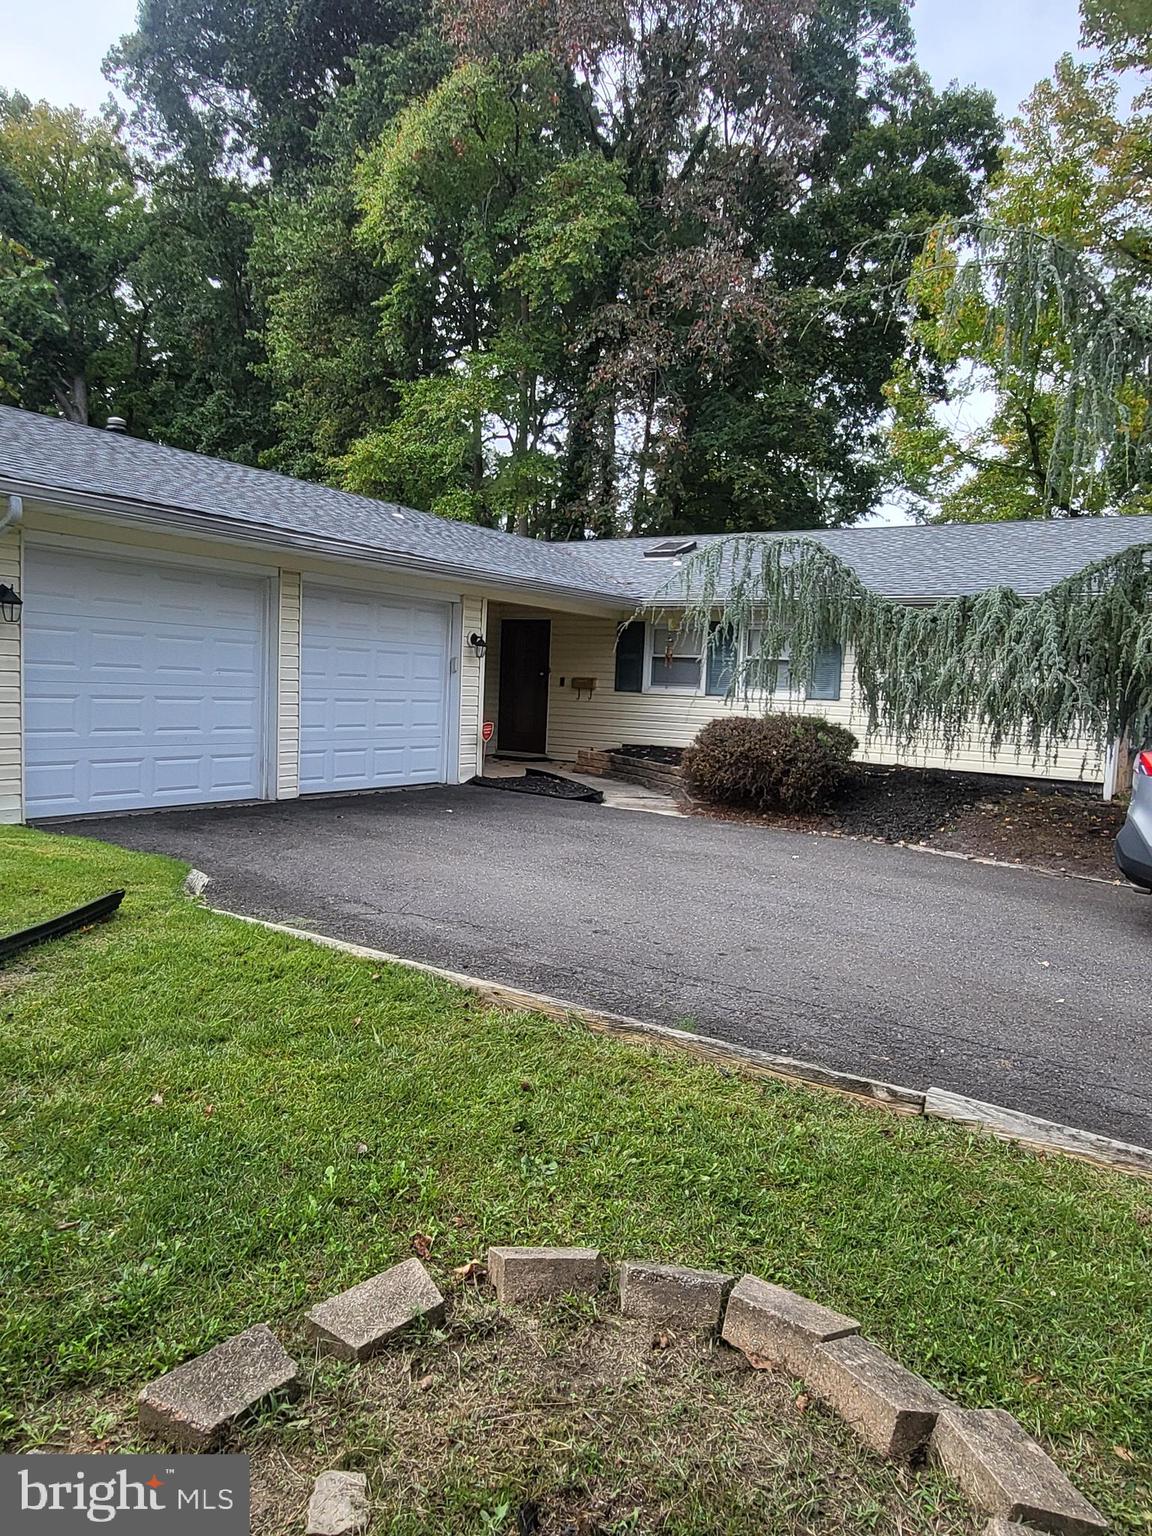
(1066, 828)
(573, 1423)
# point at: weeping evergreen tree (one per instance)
(1029, 673)
(1070, 325)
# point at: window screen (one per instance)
(675, 658)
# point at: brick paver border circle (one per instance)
(999, 1467)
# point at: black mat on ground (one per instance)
(537, 782)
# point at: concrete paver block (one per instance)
(669, 1293)
(192, 1405)
(778, 1325)
(339, 1504)
(1005, 1472)
(536, 1274)
(891, 1409)
(361, 1321)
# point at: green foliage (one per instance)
(325, 206)
(770, 762)
(654, 295)
(28, 313)
(1122, 28)
(423, 457)
(72, 222)
(1045, 300)
(220, 81)
(473, 207)
(1029, 673)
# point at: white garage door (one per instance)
(373, 690)
(143, 684)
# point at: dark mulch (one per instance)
(536, 782)
(671, 755)
(1062, 827)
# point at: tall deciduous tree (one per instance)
(699, 375)
(216, 80)
(71, 220)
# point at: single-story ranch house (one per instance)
(193, 631)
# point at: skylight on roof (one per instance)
(670, 548)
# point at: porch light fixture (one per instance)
(479, 645)
(10, 604)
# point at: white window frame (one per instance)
(685, 691)
(747, 655)
(698, 689)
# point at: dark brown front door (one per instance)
(524, 647)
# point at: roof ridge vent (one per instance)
(115, 424)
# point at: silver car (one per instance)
(1134, 840)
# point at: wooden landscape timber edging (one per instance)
(1029, 1131)
(898, 1415)
(1045, 1135)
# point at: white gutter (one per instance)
(179, 520)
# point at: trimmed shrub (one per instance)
(770, 762)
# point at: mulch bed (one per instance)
(1066, 828)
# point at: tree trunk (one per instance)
(523, 426)
(72, 398)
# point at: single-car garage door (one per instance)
(373, 690)
(144, 684)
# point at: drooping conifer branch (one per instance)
(1029, 673)
(1040, 304)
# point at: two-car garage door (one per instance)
(150, 685)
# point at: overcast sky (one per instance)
(53, 48)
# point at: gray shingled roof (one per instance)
(943, 560)
(199, 494)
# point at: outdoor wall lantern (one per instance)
(479, 645)
(10, 604)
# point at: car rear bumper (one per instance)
(1133, 856)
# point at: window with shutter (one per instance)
(630, 658)
(721, 661)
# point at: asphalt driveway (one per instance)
(1016, 988)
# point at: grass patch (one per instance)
(205, 1124)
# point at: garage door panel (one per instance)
(374, 682)
(145, 684)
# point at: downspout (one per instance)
(14, 514)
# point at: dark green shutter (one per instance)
(630, 658)
(720, 666)
(826, 674)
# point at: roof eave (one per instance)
(244, 531)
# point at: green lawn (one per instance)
(187, 1101)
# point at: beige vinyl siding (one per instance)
(585, 646)
(473, 670)
(288, 688)
(11, 748)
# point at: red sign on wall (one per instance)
(487, 729)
